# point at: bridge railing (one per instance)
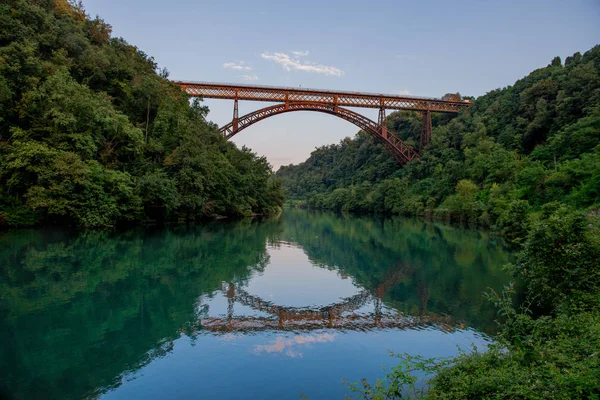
(306, 89)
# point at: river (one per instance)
(270, 308)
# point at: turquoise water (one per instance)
(253, 309)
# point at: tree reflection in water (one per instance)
(80, 310)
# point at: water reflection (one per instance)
(81, 314)
(362, 311)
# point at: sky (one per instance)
(396, 47)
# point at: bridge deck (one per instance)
(330, 97)
(349, 323)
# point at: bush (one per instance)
(561, 255)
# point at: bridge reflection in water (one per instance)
(341, 315)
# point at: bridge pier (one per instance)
(381, 122)
(426, 130)
(235, 120)
(230, 302)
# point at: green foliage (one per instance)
(553, 359)
(561, 256)
(522, 146)
(13, 213)
(513, 220)
(535, 358)
(92, 133)
(463, 204)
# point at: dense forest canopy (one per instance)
(92, 133)
(513, 150)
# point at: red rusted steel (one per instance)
(341, 98)
(426, 129)
(329, 102)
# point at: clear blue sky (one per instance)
(420, 48)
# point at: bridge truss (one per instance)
(330, 102)
(344, 314)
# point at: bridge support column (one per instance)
(377, 316)
(330, 318)
(426, 129)
(234, 121)
(230, 302)
(381, 122)
(281, 318)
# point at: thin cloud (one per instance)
(289, 346)
(288, 63)
(300, 53)
(249, 77)
(405, 92)
(237, 66)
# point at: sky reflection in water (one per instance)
(267, 309)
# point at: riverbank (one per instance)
(547, 346)
(144, 223)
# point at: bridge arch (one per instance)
(339, 315)
(328, 101)
(401, 151)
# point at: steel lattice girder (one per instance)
(335, 98)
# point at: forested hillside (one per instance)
(92, 133)
(512, 151)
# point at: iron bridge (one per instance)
(330, 102)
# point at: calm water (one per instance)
(263, 309)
